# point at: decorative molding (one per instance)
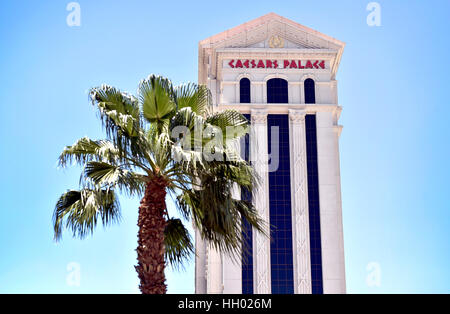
(302, 86)
(283, 108)
(291, 83)
(297, 116)
(259, 158)
(275, 75)
(208, 269)
(299, 199)
(291, 53)
(338, 129)
(259, 116)
(276, 41)
(307, 76)
(269, 25)
(244, 75)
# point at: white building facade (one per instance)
(282, 76)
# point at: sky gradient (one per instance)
(394, 146)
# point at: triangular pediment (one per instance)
(268, 31)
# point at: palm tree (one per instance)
(165, 140)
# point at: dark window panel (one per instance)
(310, 91)
(314, 205)
(280, 211)
(244, 87)
(247, 249)
(277, 91)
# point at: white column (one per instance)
(261, 243)
(214, 280)
(200, 264)
(232, 267)
(299, 202)
(208, 267)
(232, 275)
(332, 241)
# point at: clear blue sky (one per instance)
(394, 148)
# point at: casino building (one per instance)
(282, 76)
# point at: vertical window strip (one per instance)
(281, 252)
(247, 243)
(314, 205)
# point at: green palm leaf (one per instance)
(105, 174)
(85, 150)
(179, 246)
(155, 96)
(81, 210)
(196, 97)
(232, 123)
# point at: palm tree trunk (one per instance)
(150, 248)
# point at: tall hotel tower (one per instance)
(282, 76)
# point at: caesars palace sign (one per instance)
(276, 64)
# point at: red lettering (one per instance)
(273, 64)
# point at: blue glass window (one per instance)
(310, 91)
(280, 211)
(247, 248)
(277, 91)
(244, 87)
(314, 205)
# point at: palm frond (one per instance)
(217, 215)
(161, 147)
(117, 108)
(187, 129)
(196, 97)
(155, 95)
(110, 175)
(232, 123)
(80, 211)
(120, 116)
(178, 242)
(113, 99)
(85, 150)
